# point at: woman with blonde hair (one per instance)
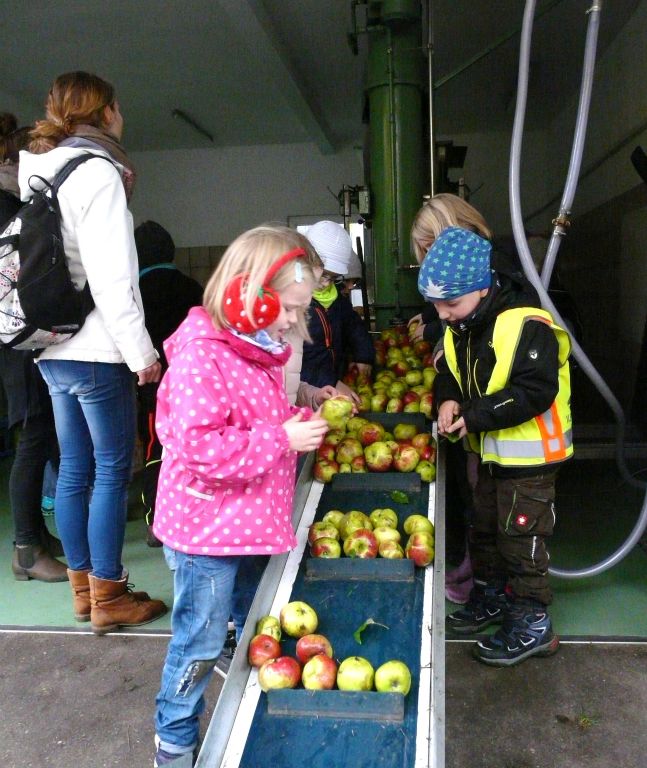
(91, 376)
(230, 440)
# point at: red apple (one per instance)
(263, 648)
(361, 543)
(371, 432)
(353, 520)
(406, 459)
(421, 439)
(410, 397)
(378, 457)
(322, 530)
(326, 548)
(310, 645)
(422, 348)
(319, 673)
(324, 471)
(325, 452)
(284, 672)
(358, 464)
(420, 548)
(394, 405)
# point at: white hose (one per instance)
(528, 264)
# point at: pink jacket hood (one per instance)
(227, 477)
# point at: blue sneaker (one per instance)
(527, 631)
(47, 505)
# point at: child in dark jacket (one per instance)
(339, 337)
(504, 384)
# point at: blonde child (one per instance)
(231, 441)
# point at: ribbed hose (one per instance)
(529, 267)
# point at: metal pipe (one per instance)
(562, 222)
(430, 76)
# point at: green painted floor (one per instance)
(595, 512)
(34, 604)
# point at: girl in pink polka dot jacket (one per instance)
(230, 442)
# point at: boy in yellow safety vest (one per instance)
(503, 385)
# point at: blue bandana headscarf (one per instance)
(457, 263)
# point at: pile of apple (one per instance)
(356, 444)
(405, 381)
(314, 666)
(367, 536)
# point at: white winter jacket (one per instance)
(97, 230)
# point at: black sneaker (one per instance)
(527, 631)
(162, 757)
(486, 605)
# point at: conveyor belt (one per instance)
(334, 728)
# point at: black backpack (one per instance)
(39, 305)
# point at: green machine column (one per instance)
(394, 87)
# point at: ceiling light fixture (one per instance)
(179, 113)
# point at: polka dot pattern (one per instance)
(227, 478)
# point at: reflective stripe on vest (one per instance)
(545, 439)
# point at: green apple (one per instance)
(384, 533)
(404, 431)
(333, 516)
(393, 677)
(384, 517)
(390, 550)
(269, 625)
(418, 523)
(426, 470)
(352, 521)
(298, 619)
(336, 411)
(355, 674)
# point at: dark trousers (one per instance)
(513, 518)
(152, 448)
(36, 446)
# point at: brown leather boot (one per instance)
(32, 561)
(113, 605)
(80, 584)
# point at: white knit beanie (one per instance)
(332, 244)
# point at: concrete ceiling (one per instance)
(281, 71)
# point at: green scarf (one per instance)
(326, 296)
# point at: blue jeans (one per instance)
(94, 412)
(207, 590)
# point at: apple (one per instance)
(298, 619)
(427, 404)
(361, 543)
(396, 389)
(420, 548)
(428, 376)
(333, 516)
(400, 367)
(379, 401)
(336, 411)
(421, 440)
(325, 452)
(355, 674)
(263, 648)
(348, 449)
(310, 645)
(322, 530)
(344, 469)
(390, 550)
(369, 433)
(426, 470)
(393, 677)
(406, 459)
(378, 457)
(319, 673)
(353, 424)
(284, 672)
(410, 397)
(353, 520)
(324, 470)
(269, 625)
(394, 405)
(404, 431)
(413, 377)
(384, 517)
(412, 407)
(326, 548)
(358, 464)
(364, 405)
(394, 446)
(414, 523)
(334, 437)
(383, 533)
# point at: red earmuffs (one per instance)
(267, 305)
